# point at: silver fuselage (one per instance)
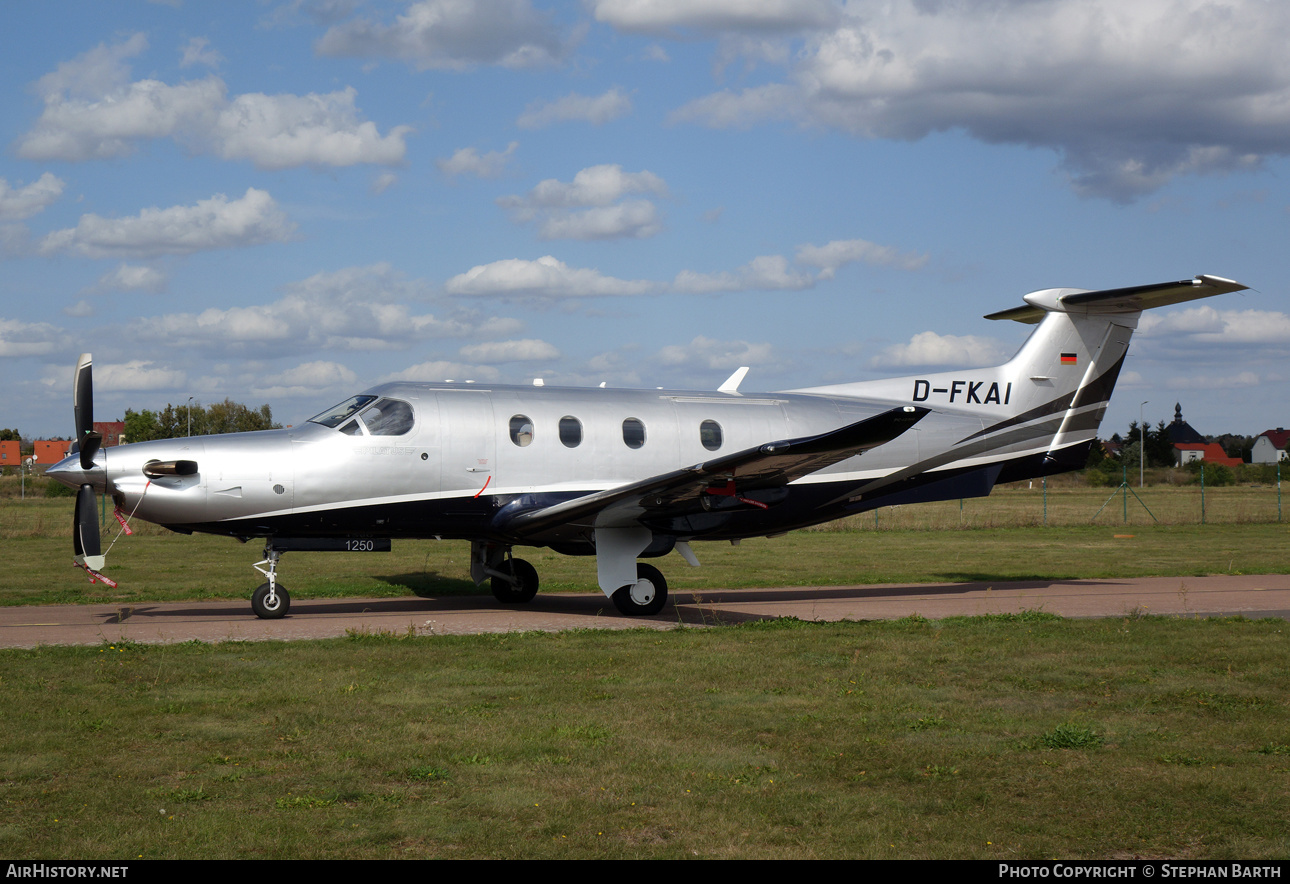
(459, 462)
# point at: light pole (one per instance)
(1142, 443)
(189, 410)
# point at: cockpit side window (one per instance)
(389, 417)
(334, 417)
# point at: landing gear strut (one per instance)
(513, 581)
(270, 601)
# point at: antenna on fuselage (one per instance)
(732, 383)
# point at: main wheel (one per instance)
(509, 594)
(644, 598)
(263, 609)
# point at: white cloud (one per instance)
(637, 219)
(306, 379)
(1236, 381)
(440, 370)
(592, 205)
(544, 278)
(357, 308)
(527, 350)
(92, 111)
(593, 186)
(709, 354)
(383, 182)
(137, 375)
(669, 16)
(197, 52)
(596, 109)
(17, 203)
(468, 161)
(215, 223)
(766, 273)
(1206, 325)
(281, 131)
(1130, 95)
(132, 278)
(453, 35)
(930, 349)
(19, 338)
(840, 252)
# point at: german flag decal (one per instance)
(1069, 359)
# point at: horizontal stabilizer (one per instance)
(1126, 300)
(766, 466)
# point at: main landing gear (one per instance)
(644, 598)
(513, 581)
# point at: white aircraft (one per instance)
(622, 474)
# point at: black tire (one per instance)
(508, 594)
(282, 602)
(646, 597)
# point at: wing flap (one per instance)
(766, 466)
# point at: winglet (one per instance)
(732, 383)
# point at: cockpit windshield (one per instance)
(334, 416)
(384, 417)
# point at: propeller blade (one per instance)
(88, 441)
(85, 531)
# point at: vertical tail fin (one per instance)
(1047, 401)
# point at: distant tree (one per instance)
(174, 421)
(1158, 448)
(10, 436)
(141, 426)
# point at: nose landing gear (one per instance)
(270, 601)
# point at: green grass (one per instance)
(1005, 737)
(999, 540)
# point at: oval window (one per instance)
(710, 435)
(522, 430)
(633, 433)
(570, 431)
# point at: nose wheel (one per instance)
(270, 600)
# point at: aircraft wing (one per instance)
(766, 466)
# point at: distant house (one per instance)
(1179, 432)
(1209, 452)
(9, 454)
(1270, 446)
(49, 452)
(111, 431)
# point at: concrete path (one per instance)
(1250, 596)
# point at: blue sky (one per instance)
(287, 202)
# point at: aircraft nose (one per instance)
(69, 472)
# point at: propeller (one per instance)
(86, 542)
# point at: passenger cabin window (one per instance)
(388, 417)
(710, 435)
(633, 433)
(570, 431)
(522, 431)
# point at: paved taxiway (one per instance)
(1266, 595)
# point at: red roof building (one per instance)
(1270, 446)
(1209, 452)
